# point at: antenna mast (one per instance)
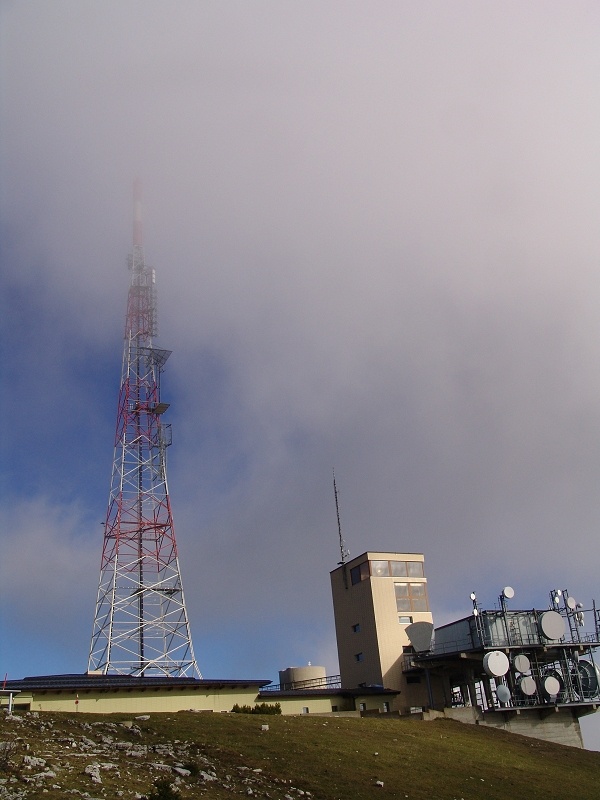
(344, 552)
(140, 624)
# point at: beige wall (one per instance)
(371, 603)
(137, 702)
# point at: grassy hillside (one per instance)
(314, 758)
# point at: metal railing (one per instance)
(328, 682)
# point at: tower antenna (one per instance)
(344, 552)
(140, 623)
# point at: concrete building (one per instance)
(531, 672)
(376, 596)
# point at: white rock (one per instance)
(185, 773)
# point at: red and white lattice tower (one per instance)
(140, 624)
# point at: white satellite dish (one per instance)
(571, 603)
(522, 663)
(552, 625)
(527, 686)
(420, 635)
(508, 592)
(551, 685)
(495, 664)
(503, 693)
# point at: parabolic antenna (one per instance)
(420, 635)
(527, 686)
(586, 674)
(552, 625)
(551, 685)
(522, 663)
(495, 664)
(503, 693)
(571, 603)
(508, 592)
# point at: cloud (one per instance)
(48, 568)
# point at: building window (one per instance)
(411, 597)
(404, 619)
(356, 628)
(406, 569)
(380, 569)
(359, 657)
(359, 573)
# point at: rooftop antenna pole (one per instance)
(344, 552)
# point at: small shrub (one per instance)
(8, 752)
(262, 708)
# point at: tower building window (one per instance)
(359, 573)
(411, 597)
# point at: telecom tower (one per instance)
(140, 625)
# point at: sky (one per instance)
(375, 232)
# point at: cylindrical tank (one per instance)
(308, 677)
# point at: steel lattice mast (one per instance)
(140, 624)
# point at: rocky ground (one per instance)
(54, 756)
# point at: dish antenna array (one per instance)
(520, 679)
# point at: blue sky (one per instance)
(375, 232)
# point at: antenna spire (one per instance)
(344, 552)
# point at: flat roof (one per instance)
(90, 682)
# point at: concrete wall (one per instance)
(560, 725)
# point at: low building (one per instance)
(125, 694)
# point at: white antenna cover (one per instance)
(551, 686)
(527, 686)
(508, 592)
(522, 663)
(495, 664)
(420, 635)
(503, 693)
(571, 603)
(552, 625)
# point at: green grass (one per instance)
(332, 758)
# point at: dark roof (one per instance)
(86, 681)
